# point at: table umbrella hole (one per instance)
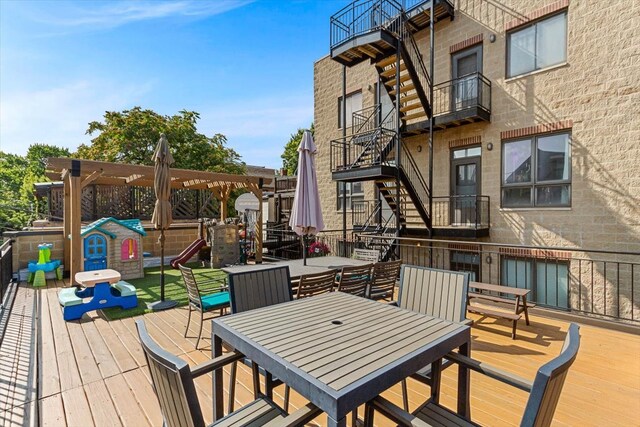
(336, 322)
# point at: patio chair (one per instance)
(250, 290)
(371, 255)
(214, 297)
(437, 293)
(385, 276)
(316, 284)
(173, 384)
(355, 279)
(544, 392)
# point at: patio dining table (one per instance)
(339, 350)
(297, 267)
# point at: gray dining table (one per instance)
(297, 268)
(339, 350)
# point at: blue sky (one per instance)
(245, 66)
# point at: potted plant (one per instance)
(318, 248)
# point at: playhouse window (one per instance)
(129, 250)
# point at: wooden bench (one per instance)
(519, 302)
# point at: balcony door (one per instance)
(465, 186)
(465, 65)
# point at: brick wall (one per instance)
(595, 94)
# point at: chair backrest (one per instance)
(548, 383)
(190, 283)
(385, 275)
(355, 279)
(316, 284)
(371, 255)
(172, 383)
(438, 293)
(255, 289)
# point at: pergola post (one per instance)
(257, 191)
(66, 259)
(75, 213)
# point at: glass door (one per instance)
(465, 186)
(465, 66)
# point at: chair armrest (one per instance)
(396, 414)
(299, 418)
(216, 363)
(490, 371)
(393, 303)
(467, 322)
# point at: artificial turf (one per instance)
(148, 289)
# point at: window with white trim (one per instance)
(354, 103)
(536, 172)
(354, 192)
(537, 46)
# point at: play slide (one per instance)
(191, 250)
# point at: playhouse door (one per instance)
(95, 252)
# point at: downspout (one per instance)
(431, 80)
(344, 157)
(398, 140)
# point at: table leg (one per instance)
(524, 308)
(464, 404)
(218, 398)
(436, 375)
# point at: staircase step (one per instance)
(392, 82)
(408, 98)
(403, 89)
(386, 61)
(414, 116)
(410, 107)
(392, 71)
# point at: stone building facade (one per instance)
(591, 95)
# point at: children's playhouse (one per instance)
(115, 244)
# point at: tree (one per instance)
(18, 204)
(130, 136)
(290, 154)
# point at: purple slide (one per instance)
(191, 250)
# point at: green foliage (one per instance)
(130, 136)
(18, 204)
(290, 154)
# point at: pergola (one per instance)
(78, 173)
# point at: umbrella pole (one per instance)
(162, 304)
(304, 250)
(162, 264)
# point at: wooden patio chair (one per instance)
(213, 297)
(173, 384)
(437, 293)
(251, 290)
(544, 392)
(371, 255)
(355, 279)
(316, 284)
(385, 276)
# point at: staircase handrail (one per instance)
(415, 178)
(416, 58)
(364, 117)
(347, 21)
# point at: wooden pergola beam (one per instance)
(90, 178)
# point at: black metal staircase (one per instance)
(381, 31)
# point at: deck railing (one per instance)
(363, 16)
(461, 211)
(6, 267)
(285, 183)
(472, 90)
(597, 283)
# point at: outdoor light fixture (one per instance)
(490, 146)
(419, 148)
(489, 259)
(492, 38)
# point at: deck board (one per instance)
(93, 372)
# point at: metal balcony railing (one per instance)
(472, 90)
(461, 211)
(364, 16)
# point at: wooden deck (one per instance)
(93, 372)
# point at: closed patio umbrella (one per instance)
(306, 213)
(162, 212)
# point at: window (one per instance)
(128, 250)
(355, 193)
(548, 279)
(537, 171)
(468, 262)
(354, 103)
(537, 46)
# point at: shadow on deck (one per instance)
(92, 372)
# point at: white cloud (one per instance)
(117, 13)
(60, 115)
